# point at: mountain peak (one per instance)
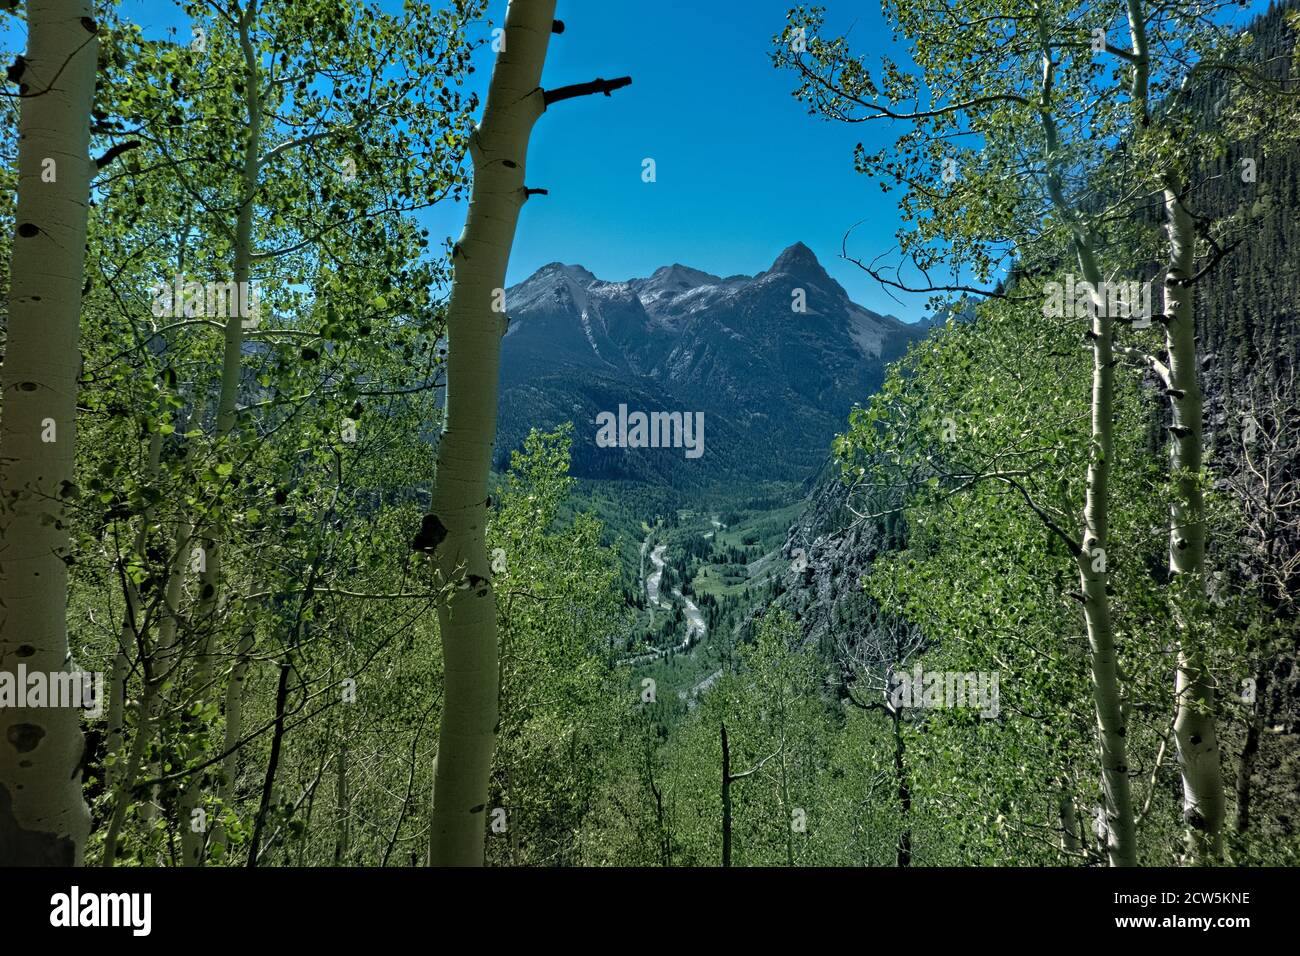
(798, 259)
(684, 273)
(574, 272)
(680, 275)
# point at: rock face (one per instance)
(774, 360)
(829, 549)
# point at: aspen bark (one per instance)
(1068, 814)
(157, 672)
(127, 637)
(1120, 827)
(43, 817)
(117, 691)
(235, 714)
(207, 615)
(234, 729)
(1249, 752)
(1194, 723)
(467, 621)
(1121, 837)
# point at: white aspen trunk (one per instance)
(207, 614)
(1121, 831)
(467, 621)
(169, 658)
(235, 714)
(131, 623)
(122, 793)
(1068, 814)
(1194, 723)
(117, 694)
(158, 671)
(43, 816)
(1119, 824)
(234, 728)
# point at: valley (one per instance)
(773, 361)
(694, 578)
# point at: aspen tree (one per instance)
(1195, 731)
(43, 817)
(234, 727)
(1120, 836)
(192, 841)
(1194, 723)
(454, 531)
(127, 637)
(319, 173)
(1021, 97)
(158, 669)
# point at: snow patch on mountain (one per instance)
(586, 329)
(549, 285)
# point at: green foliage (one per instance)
(968, 466)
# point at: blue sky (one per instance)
(742, 170)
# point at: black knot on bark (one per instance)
(24, 738)
(430, 535)
(27, 229)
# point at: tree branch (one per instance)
(115, 152)
(585, 89)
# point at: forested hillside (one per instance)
(324, 544)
